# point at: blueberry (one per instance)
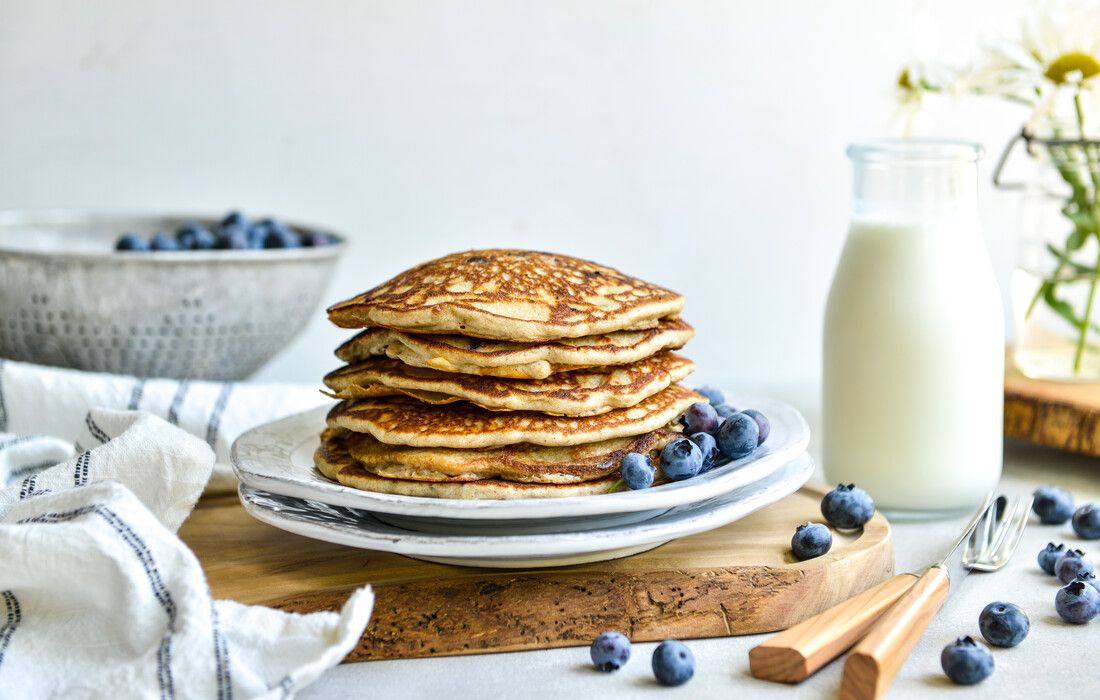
(810, 541)
(131, 241)
(673, 663)
(725, 410)
(257, 233)
(235, 219)
(636, 471)
(1048, 557)
(1086, 522)
(715, 396)
(1053, 505)
(279, 236)
(681, 459)
(162, 241)
(701, 418)
(966, 662)
(1089, 578)
(1071, 563)
(709, 448)
(761, 423)
(233, 239)
(317, 239)
(1003, 624)
(1077, 602)
(847, 507)
(194, 237)
(610, 651)
(737, 436)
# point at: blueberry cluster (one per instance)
(235, 232)
(845, 508)
(1077, 602)
(715, 431)
(673, 663)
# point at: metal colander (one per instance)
(68, 300)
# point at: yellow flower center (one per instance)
(903, 80)
(1074, 66)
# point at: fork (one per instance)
(891, 616)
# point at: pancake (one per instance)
(509, 295)
(512, 360)
(525, 463)
(334, 461)
(583, 392)
(403, 420)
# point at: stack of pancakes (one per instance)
(503, 374)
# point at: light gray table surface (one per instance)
(1056, 659)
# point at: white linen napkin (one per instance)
(98, 597)
(38, 400)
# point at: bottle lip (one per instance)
(915, 151)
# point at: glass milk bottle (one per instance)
(914, 335)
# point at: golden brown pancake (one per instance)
(512, 360)
(403, 420)
(334, 461)
(515, 295)
(582, 392)
(524, 462)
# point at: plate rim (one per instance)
(508, 549)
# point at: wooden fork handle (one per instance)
(875, 661)
(794, 654)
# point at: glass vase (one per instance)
(1056, 283)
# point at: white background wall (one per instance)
(696, 144)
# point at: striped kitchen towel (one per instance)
(38, 400)
(100, 598)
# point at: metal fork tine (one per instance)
(1001, 533)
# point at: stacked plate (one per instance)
(281, 486)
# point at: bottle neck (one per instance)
(915, 190)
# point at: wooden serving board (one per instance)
(738, 579)
(1052, 414)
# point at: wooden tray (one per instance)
(1052, 414)
(738, 579)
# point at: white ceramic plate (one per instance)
(357, 528)
(278, 458)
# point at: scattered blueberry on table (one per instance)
(847, 507)
(966, 662)
(235, 232)
(637, 471)
(1003, 624)
(1048, 556)
(709, 448)
(673, 663)
(1071, 563)
(1053, 504)
(610, 651)
(1089, 578)
(681, 459)
(738, 436)
(1077, 602)
(1086, 522)
(811, 541)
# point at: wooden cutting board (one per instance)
(738, 579)
(1052, 414)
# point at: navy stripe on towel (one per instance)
(135, 395)
(177, 402)
(216, 415)
(11, 621)
(95, 430)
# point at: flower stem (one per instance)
(1086, 319)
